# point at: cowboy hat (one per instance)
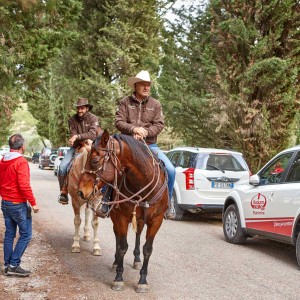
(141, 76)
(83, 102)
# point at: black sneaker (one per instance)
(18, 271)
(5, 270)
(63, 199)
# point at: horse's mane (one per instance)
(140, 152)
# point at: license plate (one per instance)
(222, 185)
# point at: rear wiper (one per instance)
(216, 168)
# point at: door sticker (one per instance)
(258, 203)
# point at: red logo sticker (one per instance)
(259, 201)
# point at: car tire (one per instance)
(232, 228)
(298, 249)
(178, 212)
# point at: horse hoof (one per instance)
(97, 252)
(137, 265)
(142, 288)
(75, 250)
(87, 238)
(118, 286)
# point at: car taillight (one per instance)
(189, 179)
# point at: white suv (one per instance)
(204, 178)
(269, 205)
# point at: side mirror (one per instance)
(254, 180)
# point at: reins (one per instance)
(135, 198)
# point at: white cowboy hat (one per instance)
(141, 76)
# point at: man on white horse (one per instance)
(83, 126)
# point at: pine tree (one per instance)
(241, 76)
(116, 39)
(32, 32)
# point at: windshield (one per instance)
(221, 161)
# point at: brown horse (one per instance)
(140, 195)
(77, 202)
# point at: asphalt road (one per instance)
(190, 260)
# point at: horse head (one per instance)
(100, 165)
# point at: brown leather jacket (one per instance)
(85, 127)
(147, 114)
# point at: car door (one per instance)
(264, 205)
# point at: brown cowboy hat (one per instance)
(84, 102)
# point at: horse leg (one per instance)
(118, 284)
(76, 238)
(96, 241)
(137, 264)
(86, 234)
(147, 251)
(115, 263)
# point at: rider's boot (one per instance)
(63, 197)
(102, 211)
(170, 214)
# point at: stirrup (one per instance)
(63, 199)
(103, 211)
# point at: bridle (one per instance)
(135, 198)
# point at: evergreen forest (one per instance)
(225, 71)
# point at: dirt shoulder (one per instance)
(49, 279)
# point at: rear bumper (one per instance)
(213, 208)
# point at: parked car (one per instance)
(35, 157)
(60, 155)
(4, 150)
(268, 205)
(204, 177)
(47, 158)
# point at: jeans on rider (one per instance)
(62, 174)
(16, 216)
(64, 165)
(169, 167)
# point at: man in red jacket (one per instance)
(15, 191)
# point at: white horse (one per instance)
(77, 203)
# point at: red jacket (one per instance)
(15, 179)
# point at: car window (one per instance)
(294, 173)
(185, 159)
(223, 161)
(273, 171)
(173, 156)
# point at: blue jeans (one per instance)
(16, 215)
(169, 166)
(63, 167)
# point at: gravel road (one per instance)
(190, 260)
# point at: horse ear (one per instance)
(104, 138)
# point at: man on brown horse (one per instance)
(83, 126)
(141, 116)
